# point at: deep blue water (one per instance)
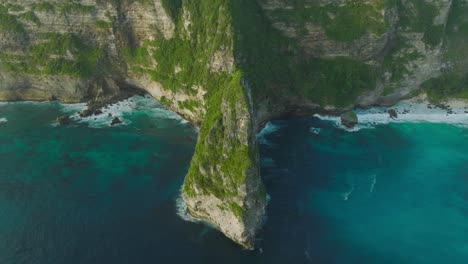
(90, 193)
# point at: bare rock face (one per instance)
(349, 119)
(326, 31)
(392, 113)
(63, 120)
(116, 121)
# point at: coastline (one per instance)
(136, 104)
(415, 110)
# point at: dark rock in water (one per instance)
(97, 112)
(116, 121)
(349, 119)
(444, 106)
(63, 120)
(86, 113)
(53, 98)
(393, 113)
(109, 115)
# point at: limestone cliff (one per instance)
(229, 66)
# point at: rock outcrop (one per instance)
(228, 67)
(63, 120)
(349, 119)
(116, 121)
(392, 113)
(223, 185)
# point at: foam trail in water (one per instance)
(373, 182)
(315, 130)
(267, 130)
(3, 120)
(72, 108)
(408, 112)
(348, 193)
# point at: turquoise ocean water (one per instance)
(90, 193)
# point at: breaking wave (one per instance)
(124, 109)
(408, 112)
(267, 130)
(315, 130)
(182, 211)
(72, 108)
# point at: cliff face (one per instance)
(229, 66)
(76, 51)
(405, 43)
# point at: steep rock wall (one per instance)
(73, 50)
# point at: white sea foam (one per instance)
(267, 130)
(315, 130)
(373, 182)
(408, 112)
(3, 120)
(348, 193)
(72, 108)
(182, 211)
(124, 109)
(108, 113)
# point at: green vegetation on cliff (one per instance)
(172, 7)
(43, 6)
(210, 22)
(9, 22)
(57, 54)
(273, 64)
(49, 53)
(267, 59)
(217, 148)
(418, 16)
(453, 83)
(341, 22)
(225, 153)
(263, 57)
(448, 85)
(457, 37)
